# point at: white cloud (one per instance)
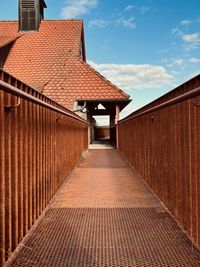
(144, 9)
(178, 61)
(126, 23)
(174, 72)
(185, 22)
(174, 62)
(191, 46)
(132, 76)
(194, 60)
(177, 31)
(76, 8)
(191, 38)
(128, 8)
(98, 23)
(192, 41)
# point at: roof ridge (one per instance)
(15, 20)
(46, 20)
(63, 20)
(8, 20)
(105, 80)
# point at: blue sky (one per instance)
(146, 47)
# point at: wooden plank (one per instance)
(2, 181)
(14, 172)
(20, 172)
(197, 167)
(194, 163)
(25, 167)
(34, 162)
(8, 177)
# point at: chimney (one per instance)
(31, 12)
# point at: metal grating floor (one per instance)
(105, 216)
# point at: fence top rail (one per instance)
(191, 94)
(21, 94)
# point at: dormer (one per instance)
(31, 12)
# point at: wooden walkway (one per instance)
(104, 215)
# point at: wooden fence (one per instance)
(162, 142)
(38, 149)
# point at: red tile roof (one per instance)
(85, 83)
(8, 33)
(6, 39)
(49, 61)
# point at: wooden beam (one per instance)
(101, 112)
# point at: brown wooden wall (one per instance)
(38, 149)
(164, 147)
(101, 133)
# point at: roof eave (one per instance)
(106, 100)
(121, 102)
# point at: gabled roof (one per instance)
(49, 61)
(84, 82)
(37, 56)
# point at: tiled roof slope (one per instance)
(6, 39)
(48, 60)
(85, 83)
(8, 33)
(37, 56)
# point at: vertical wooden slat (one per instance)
(51, 155)
(186, 160)
(7, 149)
(44, 160)
(20, 172)
(176, 163)
(51, 148)
(14, 173)
(34, 162)
(38, 157)
(41, 163)
(2, 181)
(54, 154)
(194, 180)
(49, 116)
(25, 167)
(48, 156)
(30, 163)
(197, 167)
